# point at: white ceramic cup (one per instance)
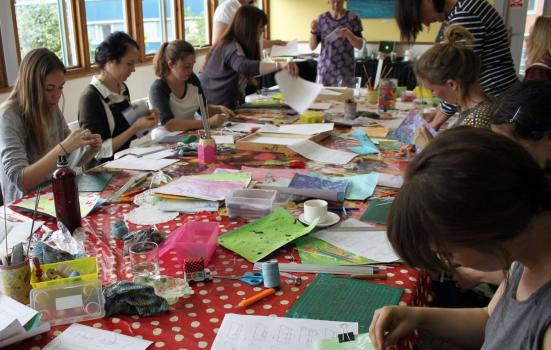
(315, 208)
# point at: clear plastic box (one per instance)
(193, 239)
(69, 303)
(250, 203)
(87, 268)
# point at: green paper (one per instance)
(318, 252)
(242, 177)
(258, 239)
(360, 342)
(377, 211)
(94, 182)
(345, 299)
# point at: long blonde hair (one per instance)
(539, 41)
(28, 94)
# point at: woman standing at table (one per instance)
(236, 57)
(455, 208)
(339, 31)
(106, 99)
(539, 50)
(480, 18)
(33, 131)
(175, 93)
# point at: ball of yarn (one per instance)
(119, 229)
(74, 274)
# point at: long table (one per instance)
(192, 322)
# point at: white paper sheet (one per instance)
(19, 228)
(134, 163)
(330, 92)
(299, 93)
(322, 106)
(389, 180)
(44, 327)
(160, 155)
(369, 244)
(314, 151)
(298, 129)
(275, 140)
(243, 127)
(275, 333)
(334, 35)
(223, 139)
(138, 151)
(291, 49)
(14, 310)
(82, 337)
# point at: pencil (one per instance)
(256, 297)
(369, 277)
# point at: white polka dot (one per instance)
(228, 269)
(390, 274)
(176, 329)
(115, 320)
(178, 337)
(220, 288)
(135, 317)
(97, 325)
(136, 325)
(294, 289)
(159, 344)
(154, 323)
(206, 301)
(404, 271)
(203, 292)
(192, 314)
(56, 333)
(157, 331)
(279, 293)
(209, 311)
(237, 284)
(413, 279)
(215, 330)
(222, 297)
(188, 306)
(408, 291)
(200, 284)
(198, 335)
(35, 348)
(257, 289)
(267, 307)
(173, 319)
(249, 311)
(399, 282)
(138, 336)
(402, 303)
(213, 320)
(117, 331)
(284, 302)
(228, 306)
(203, 344)
(304, 278)
(240, 292)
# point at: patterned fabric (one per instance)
(337, 57)
(194, 264)
(129, 298)
(477, 116)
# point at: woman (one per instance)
(106, 100)
(539, 50)
(177, 90)
(339, 31)
(450, 71)
(236, 57)
(491, 44)
(33, 131)
(477, 199)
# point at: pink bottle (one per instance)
(67, 205)
(206, 151)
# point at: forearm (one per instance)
(463, 327)
(87, 156)
(119, 140)
(183, 125)
(35, 173)
(439, 119)
(313, 41)
(268, 67)
(356, 41)
(267, 43)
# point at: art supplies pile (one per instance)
(18, 321)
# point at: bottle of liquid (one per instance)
(67, 205)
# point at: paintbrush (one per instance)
(387, 73)
(37, 200)
(204, 115)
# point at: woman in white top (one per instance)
(175, 93)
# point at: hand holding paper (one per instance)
(299, 93)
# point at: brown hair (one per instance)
(539, 41)
(173, 51)
(113, 48)
(410, 19)
(450, 60)
(244, 30)
(469, 187)
(28, 94)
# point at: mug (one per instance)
(314, 209)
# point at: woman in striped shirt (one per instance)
(491, 43)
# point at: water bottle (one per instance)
(67, 205)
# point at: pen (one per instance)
(330, 208)
(369, 277)
(133, 192)
(256, 297)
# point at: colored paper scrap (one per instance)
(359, 187)
(366, 145)
(377, 210)
(318, 187)
(408, 128)
(46, 206)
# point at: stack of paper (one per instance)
(196, 187)
(134, 163)
(18, 322)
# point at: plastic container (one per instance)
(194, 239)
(64, 187)
(69, 303)
(312, 117)
(86, 267)
(250, 203)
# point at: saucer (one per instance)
(330, 219)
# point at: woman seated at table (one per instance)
(539, 50)
(450, 71)
(106, 100)
(339, 31)
(236, 57)
(33, 131)
(175, 93)
(455, 208)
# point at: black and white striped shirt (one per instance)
(497, 71)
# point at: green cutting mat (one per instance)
(344, 299)
(377, 211)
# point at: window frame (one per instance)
(3, 75)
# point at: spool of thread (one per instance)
(119, 229)
(270, 274)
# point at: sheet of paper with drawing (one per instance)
(410, 125)
(314, 151)
(46, 206)
(192, 187)
(275, 333)
(359, 186)
(78, 336)
(258, 239)
(317, 187)
(299, 93)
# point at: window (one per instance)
(158, 23)
(196, 22)
(104, 17)
(46, 23)
(532, 4)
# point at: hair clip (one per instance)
(515, 116)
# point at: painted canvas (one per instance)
(372, 8)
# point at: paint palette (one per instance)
(69, 303)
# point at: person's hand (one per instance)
(391, 323)
(407, 151)
(146, 122)
(278, 42)
(95, 146)
(225, 110)
(292, 68)
(314, 26)
(217, 120)
(423, 137)
(343, 32)
(78, 138)
(467, 278)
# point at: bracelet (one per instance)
(63, 148)
(313, 33)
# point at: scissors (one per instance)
(252, 278)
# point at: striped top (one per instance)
(497, 71)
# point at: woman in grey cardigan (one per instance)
(33, 132)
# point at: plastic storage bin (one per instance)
(69, 303)
(252, 203)
(87, 268)
(194, 239)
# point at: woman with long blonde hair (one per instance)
(539, 50)
(33, 131)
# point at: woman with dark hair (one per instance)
(33, 131)
(475, 198)
(491, 43)
(103, 103)
(236, 57)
